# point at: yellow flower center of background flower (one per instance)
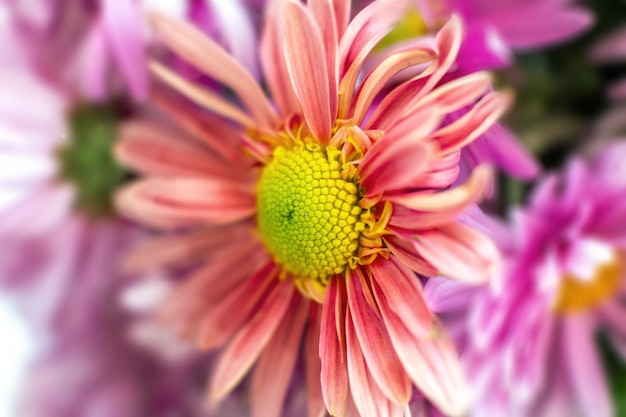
(309, 216)
(411, 26)
(576, 295)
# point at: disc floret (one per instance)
(308, 213)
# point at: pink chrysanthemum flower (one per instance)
(530, 343)
(313, 217)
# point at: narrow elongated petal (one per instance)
(334, 375)
(275, 66)
(411, 96)
(395, 103)
(369, 400)
(316, 406)
(202, 96)
(206, 286)
(458, 93)
(382, 73)
(238, 32)
(459, 252)
(126, 39)
(403, 249)
(456, 199)
(342, 15)
(480, 118)
(585, 366)
(429, 359)
(173, 203)
(401, 294)
(182, 250)
(395, 166)
(228, 314)
(219, 135)
(247, 345)
(324, 13)
(376, 348)
(367, 28)
(155, 150)
(275, 366)
(209, 57)
(308, 70)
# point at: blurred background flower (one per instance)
(71, 71)
(529, 341)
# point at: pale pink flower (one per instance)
(100, 48)
(310, 218)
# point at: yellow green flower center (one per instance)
(87, 161)
(308, 214)
(576, 295)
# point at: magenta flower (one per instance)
(495, 28)
(529, 342)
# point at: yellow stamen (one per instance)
(576, 295)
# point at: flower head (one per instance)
(311, 214)
(531, 340)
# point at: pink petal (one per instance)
(459, 252)
(155, 149)
(367, 28)
(383, 73)
(430, 360)
(401, 294)
(308, 70)
(407, 255)
(585, 366)
(456, 199)
(369, 400)
(403, 100)
(226, 315)
(213, 131)
(192, 45)
(276, 365)
(316, 406)
(395, 103)
(550, 23)
(26, 218)
(447, 295)
(475, 122)
(334, 376)
(173, 203)
(324, 13)
(182, 250)
(275, 66)
(458, 93)
(382, 362)
(406, 221)
(341, 15)
(121, 21)
(249, 342)
(206, 286)
(394, 165)
(502, 148)
(203, 96)
(237, 30)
